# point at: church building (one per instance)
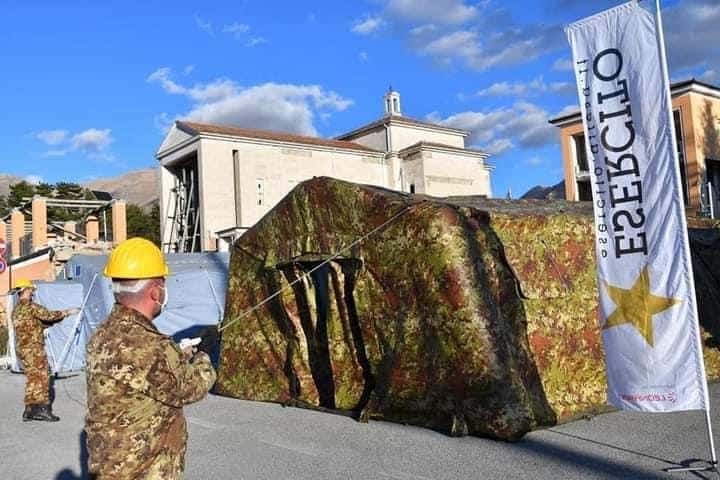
(218, 180)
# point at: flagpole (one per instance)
(666, 78)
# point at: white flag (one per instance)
(648, 313)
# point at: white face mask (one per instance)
(164, 303)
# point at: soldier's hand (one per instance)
(210, 338)
(189, 351)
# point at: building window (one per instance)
(396, 107)
(581, 160)
(412, 188)
(584, 192)
(677, 119)
(260, 182)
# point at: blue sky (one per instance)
(88, 87)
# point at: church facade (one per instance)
(217, 181)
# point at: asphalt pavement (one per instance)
(238, 440)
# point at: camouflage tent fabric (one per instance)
(465, 315)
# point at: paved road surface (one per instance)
(232, 439)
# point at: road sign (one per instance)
(3, 262)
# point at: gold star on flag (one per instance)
(637, 305)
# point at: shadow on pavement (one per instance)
(596, 466)
(68, 474)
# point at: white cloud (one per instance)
(526, 89)
(363, 56)
(270, 106)
(477, 35)
(163, 122)
(480, 49)
(568, 109)
(188, 69)
(55, 153)
(441, 11)
(52, 137)
(563, 65)
(236, 29)
(92, 140)
(204, 25)
(710, 76)
(34, 179)
(367, 25)
(216, 89)
(498, 146)
(534, 161)
(495, 131)
(255, 41)
(691, 35)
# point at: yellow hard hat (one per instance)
(22, 283)
(136, 258)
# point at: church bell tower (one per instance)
(392, 102)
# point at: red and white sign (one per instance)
(3, 262)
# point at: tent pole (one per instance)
(75, 329)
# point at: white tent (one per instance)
(196, 289)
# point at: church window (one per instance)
(260, 191)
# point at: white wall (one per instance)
(402, 136)
(375, 139)
(448, 173)
(278, 168)
(413, 173)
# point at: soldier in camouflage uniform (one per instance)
(29, 320)
(138, 380)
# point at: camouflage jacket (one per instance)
(137, 383)
(29, 320)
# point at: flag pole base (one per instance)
(709, 467)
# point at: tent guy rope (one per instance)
(424, 205)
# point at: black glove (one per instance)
(209, 339)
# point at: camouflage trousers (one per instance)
(37, 377)
(3, 340)
(116, 462)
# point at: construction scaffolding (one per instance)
(183, 203)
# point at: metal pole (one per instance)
(711, 200)
(75, 330)
(666, 80)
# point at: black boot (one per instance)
(43, 413)
(28, 413)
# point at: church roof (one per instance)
(399, 119)
(194, 128)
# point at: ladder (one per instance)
(184, 223)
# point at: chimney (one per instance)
(39, 223)
(92, 229)
(17, 229)
(119, 222)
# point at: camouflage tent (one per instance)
(464, 315)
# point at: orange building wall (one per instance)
(39, 270)
(691, 106)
